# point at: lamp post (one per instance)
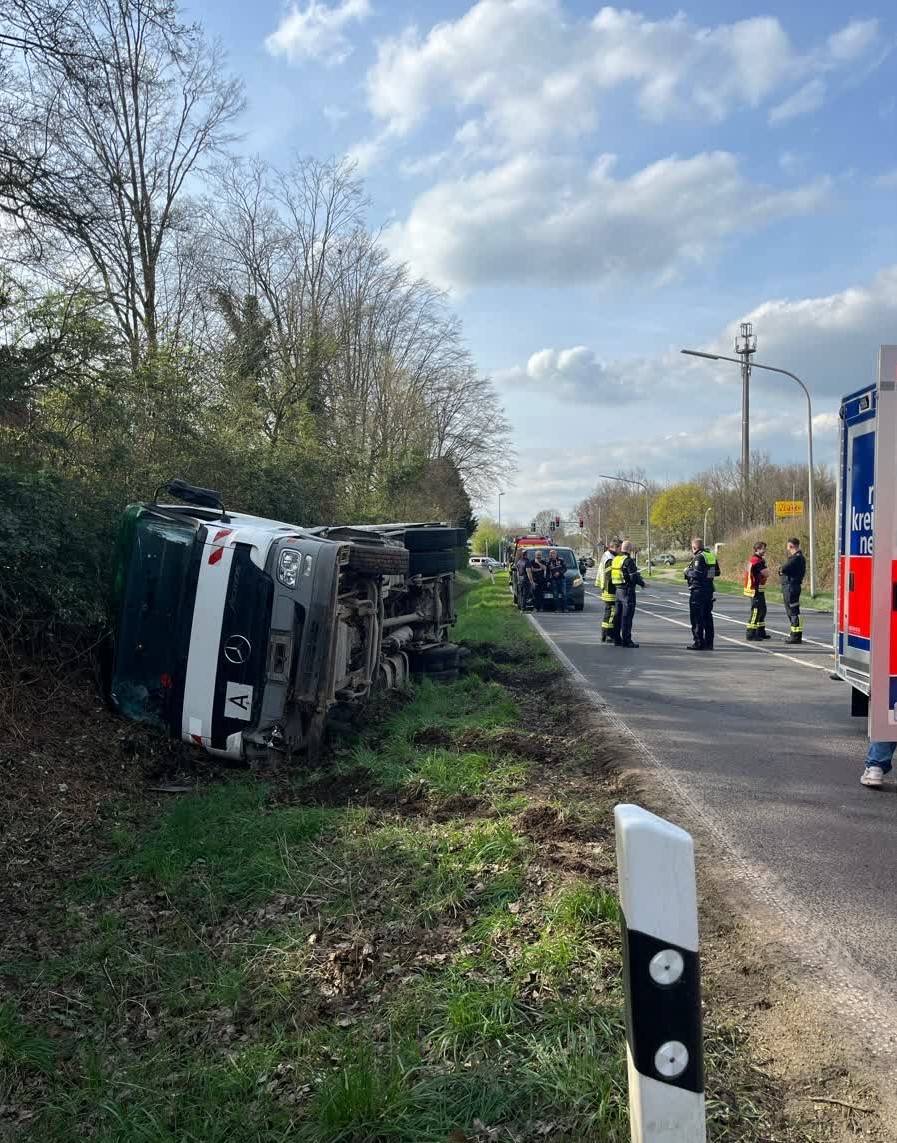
(638, 484)
(500, 542)
(706, 514)
(810, 478)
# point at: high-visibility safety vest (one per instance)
(616, 569)
(712, 563)
(602, 580)
(749, 588)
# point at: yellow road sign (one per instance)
(786, 508)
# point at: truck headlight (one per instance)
(288, 567)
(578, 581)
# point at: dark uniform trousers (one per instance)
(756, 628)
(700, 607)
(791, 598)
(624, 615)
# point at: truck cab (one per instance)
(239, 634)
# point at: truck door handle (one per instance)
(894, 597)
(850, 581)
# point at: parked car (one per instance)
(666, 559)
(576, 591)
(240, 634)
(487, 563)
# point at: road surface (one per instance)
(761, 740)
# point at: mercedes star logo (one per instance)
(237, 649)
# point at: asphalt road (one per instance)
(761, 740)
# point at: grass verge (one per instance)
(418, 944)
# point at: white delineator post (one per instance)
(661, 974)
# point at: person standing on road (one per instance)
(521, 572)
(608, 594)
(791, 574)
(700, 574)
(557, 575)
(625, 576)
(879, 761)
(755, 577)
(539, 578)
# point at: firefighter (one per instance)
(700, 574)
(625, 576)
(791, 575)
(608, 594)
(755, 577)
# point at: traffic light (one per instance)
(581, 523)
(533, 526)
(557, 521)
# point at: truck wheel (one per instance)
(378, 558)
(444, 658)
(433, 563)
(433, 539)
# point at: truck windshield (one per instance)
(158, 585)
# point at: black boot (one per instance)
(694, 646)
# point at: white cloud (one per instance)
(804, 101)
(853, 40)
(832, 341)
(552, 221)
(316, 31)
(684, 413)
(525, 71)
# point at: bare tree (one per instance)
(113, 130)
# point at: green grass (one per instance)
(21, 1048)
(256, 970)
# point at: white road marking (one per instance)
(739, 643)
(739, 622)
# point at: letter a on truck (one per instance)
(865, 584)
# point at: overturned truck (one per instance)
(241, 634)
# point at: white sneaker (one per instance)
(873, 776)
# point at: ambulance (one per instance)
(866, 560)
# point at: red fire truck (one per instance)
(866, 568)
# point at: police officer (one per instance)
(557, 575)
(608, 594)
(700, 574)
(791, 575)
(754, 585)
(523, 580)
(539, 578)
(625, 576)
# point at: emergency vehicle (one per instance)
(865, 579)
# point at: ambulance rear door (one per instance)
(855, 529)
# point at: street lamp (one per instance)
(810, 480)
(706, 514)
(638, 484)
(500, 543)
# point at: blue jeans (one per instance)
(881, 754)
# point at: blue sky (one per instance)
(597, 187)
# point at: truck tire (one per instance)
(444, 658)
(433, 563)
(432, 539)
(382, 559)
